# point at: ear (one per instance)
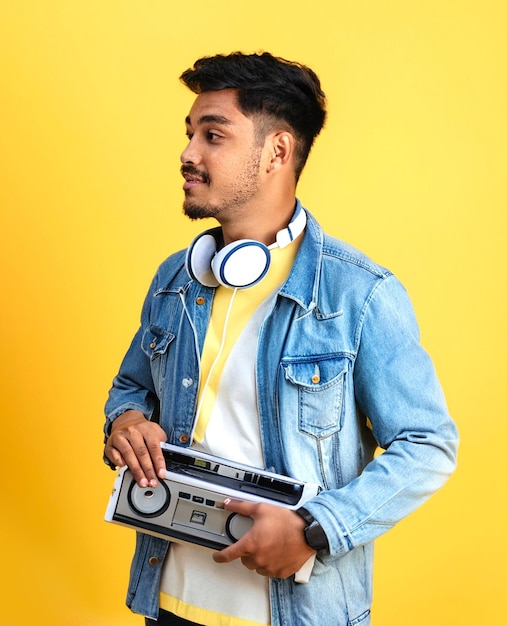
(281, 146)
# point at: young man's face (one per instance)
(222, 161)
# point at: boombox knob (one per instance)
(149, 501)
(237, 525)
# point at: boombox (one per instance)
(188, 505)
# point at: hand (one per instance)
(274, 546)
(135, 441)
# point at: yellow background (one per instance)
(411, 169)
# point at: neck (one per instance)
(261, 224)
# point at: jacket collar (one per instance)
(302, 285)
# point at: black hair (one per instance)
(271, 88)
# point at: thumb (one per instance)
(236, 550)
(231, 553)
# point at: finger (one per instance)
(240, 506)
(262, 572)
(114, 456)
(150, 453)
(146, 470)
(231, 553)
(157, 456)
(131, 445)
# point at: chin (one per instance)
(198, 211)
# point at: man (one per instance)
(270, 343)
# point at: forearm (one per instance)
(390, 488)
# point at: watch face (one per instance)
(315, 536)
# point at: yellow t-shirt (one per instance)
(194, 586)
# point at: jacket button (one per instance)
(200, 300)
(153, 345)
(315, 378)
(153, 560)
(184, 438)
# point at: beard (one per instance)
(199, 211)
(237, 193)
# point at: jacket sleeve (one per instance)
(397, 389)
(133, 386)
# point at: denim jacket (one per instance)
(340, 372)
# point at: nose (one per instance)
(190, 154)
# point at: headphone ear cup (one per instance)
(238, 265)
(198, 260)
(241, 264)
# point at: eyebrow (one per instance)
(210, 119)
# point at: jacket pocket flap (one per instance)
(316, 374)
(155, 341)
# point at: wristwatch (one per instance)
(315, 536)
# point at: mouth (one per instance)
(193, 177)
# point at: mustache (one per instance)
(194, 171)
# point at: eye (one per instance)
(212, 136)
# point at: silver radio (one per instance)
(188, 505)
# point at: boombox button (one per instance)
(210, 503)
(184, 495)
(198, 499)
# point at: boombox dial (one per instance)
(237, 525)
(149, 501)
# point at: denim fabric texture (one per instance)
(340, 371)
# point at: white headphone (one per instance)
(240, 264)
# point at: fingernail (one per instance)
(153, 482)
(227, 500)
(144, 482)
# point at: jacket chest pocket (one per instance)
(319, 384)
(155, 341)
